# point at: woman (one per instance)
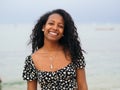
(57, 60)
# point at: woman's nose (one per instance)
(55, 27)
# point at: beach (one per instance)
(101, 43)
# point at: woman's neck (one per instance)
(51, 46)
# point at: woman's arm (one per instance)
(81, 79)
(32, 85)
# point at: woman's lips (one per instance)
(53, 33)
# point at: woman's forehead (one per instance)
(55, 16)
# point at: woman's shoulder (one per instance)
(29, 71)
(34, 56)
(28, 59)
(37, 53)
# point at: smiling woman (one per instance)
(57, 60)
(54, 27)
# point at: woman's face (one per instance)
(54, 27)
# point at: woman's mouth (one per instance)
(53, 33)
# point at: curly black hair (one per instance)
(70, 41)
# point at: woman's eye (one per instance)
(50, 23)
(61, 26)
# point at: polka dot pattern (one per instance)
(62, 79)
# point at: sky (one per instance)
(82, 11)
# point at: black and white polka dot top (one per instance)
(62, 79)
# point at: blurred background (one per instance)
(98, 24)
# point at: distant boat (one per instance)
(105, 28)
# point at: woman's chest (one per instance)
(45, 62)
(65, 74)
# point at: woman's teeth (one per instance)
(53, 33)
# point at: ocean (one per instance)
(100, 41)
